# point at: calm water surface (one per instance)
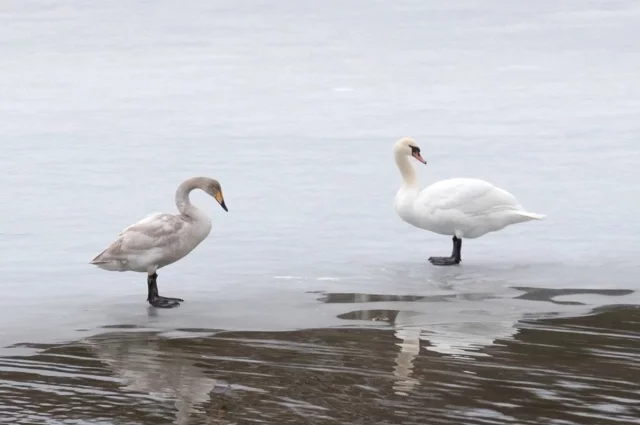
(311, 301)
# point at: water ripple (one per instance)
(563, 370)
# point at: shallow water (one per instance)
(309, 288)
(580, 370)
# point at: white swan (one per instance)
(460, 207)
(162, 239)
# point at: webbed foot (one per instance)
(156, 300)
(455, 258)
(164, 302)
(444, 261)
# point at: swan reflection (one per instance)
(463, 324)
(149, 365)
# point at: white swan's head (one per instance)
(213, 188)
(407, 146)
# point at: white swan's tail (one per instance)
(530, 215)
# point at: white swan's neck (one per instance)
(183, 202)
(410, 180)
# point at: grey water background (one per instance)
(294, 106)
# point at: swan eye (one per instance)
(414, 149)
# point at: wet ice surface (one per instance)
(294, 108)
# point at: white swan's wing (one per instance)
(467, 196)
(153, 232)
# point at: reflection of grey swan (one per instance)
(162, 239)
(146, 367)
(460, 207)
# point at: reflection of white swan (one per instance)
(456, 335)
(453, 324)
(462, 328)
(461, 313)
(409, 350)
(147, 368)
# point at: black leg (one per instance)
(155, 299)
(456, 255)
